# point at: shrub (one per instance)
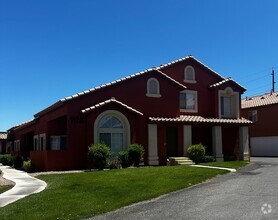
(114, 164)
(18, 162)
(7, 159)
(99, 155)
(124, 158)
(135, 154)
(196, 153)
(28, 166)
(208, 159)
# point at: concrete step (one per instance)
(180, 161)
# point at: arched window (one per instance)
(112, 129)
(153, 89)
(189, 74)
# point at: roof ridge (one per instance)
(112, 99)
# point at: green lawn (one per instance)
(81, 195)
(5, 188)
(228, 164)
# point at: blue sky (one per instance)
(55, 48)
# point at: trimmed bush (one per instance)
(208, 159)
(196, 153)
(7, 159)
(135, 154)
(28, 166)
(124, 158)
(99, 155)
(18, 162)
(114, 164)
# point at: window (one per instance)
(111, 133)
(228, 103)
(112, 128)
(58, 142)
(153, 89)
(36, 142)
(226, 106)
(17, 145)
(40, 142)
(188, 101)
(253, 115)
(189, 74)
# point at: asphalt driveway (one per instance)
(250, 193)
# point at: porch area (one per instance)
(225, 139)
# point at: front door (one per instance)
(172, 141)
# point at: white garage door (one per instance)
(264, 146)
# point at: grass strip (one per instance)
(82, 195)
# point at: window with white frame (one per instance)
(189, 74)
(36, 142)
(112, 128)
(42, 142)
(188, 101)
(17, 145)
(228, 103)
(153, 88)
(253, 115)
(58, 142)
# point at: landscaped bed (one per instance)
(81, 195)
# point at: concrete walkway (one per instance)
(25, 185)
(212, 167)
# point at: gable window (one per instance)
(189, 74)
(188, 101)
(253, 115)
(112, 129)
(153, 89)
(228, 103)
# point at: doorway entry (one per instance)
(172, 141)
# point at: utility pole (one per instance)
(273, 80)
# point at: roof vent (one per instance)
(262, 97)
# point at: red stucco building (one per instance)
(262, 110)
(165, 109)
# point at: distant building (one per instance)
(263, 111)
(3, 142)
(165, 109)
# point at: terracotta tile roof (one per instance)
(200, 119)
(24, 124)
(158, 69)
(121, 80)
(3, 135)
(112, 100)
(261, 100)
(225, 81)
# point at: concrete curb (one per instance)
(212, 167)
(25, 185)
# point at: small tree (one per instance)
(99, 155)
(135, 154)
(124, 158)
(196, 153)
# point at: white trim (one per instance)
(185, 74)
(244, 143)
(196, 101)
(217, 143)
(119, 116)
(228, 92)
(154, 95)
(152, 145)
(187, 138)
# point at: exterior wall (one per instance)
(68, 120)
(267, 124)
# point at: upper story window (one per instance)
(228, 103)
(253, 115)
(188, 101)
(153, 89)
(189, 74)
